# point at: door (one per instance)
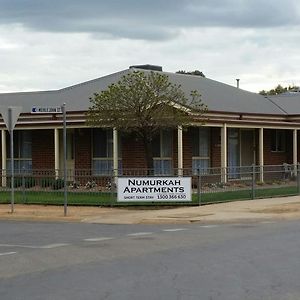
(247, 152)
(241, 154)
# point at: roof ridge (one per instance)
(277, 105)
(65, 88)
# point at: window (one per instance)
(103, 152)
(22, 151)
(200, 149)
(162, 153)
(278, 140)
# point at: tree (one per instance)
(143, 104)
(196, 73)
(279, 90)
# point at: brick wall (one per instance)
(133, 154)
(215, 144)
(1, 154)
(83, 148)
(43, 149)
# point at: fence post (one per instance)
(253, 181)
(199, 187)
(23, 185)
(298, 178)
(113, 184)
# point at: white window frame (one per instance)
(108, 159)
(164, 158)
(19, 161)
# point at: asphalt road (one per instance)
(93, 261)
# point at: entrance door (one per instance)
(241, 153)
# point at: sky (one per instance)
(46, 45)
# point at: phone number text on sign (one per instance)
(132, 189)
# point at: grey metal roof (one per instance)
(216, 95)
(225, 98)
(289, 102)
(76, 97)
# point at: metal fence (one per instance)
(209, 185)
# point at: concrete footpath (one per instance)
(240, 211)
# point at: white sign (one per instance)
(157, 189)
(46, 110)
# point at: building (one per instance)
(242, 129)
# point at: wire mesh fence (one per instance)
(208, 185)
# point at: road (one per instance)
(92, 261)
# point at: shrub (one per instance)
(29, 182)
(58, 184)
(26, 182)
(47, 182)
(18, 181)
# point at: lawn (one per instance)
(57, 198)
(247, 194)
(109, 198)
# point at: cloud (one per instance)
(143, 19)
(53, 44)
(47, 60)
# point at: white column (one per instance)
(56, 152)
(224, 153)
(295, 150)
(261, 154)
(3, 157)
(180, 151)
(115, 152)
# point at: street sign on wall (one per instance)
(46, 110)
(154, 189)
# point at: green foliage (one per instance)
(58, 184)
(143, 104)
(27, 182)
(30, 182)
(18, 181)
(279, 90)
(140, 102)
(47, 182)
(196, 73)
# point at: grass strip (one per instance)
(109, 198)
